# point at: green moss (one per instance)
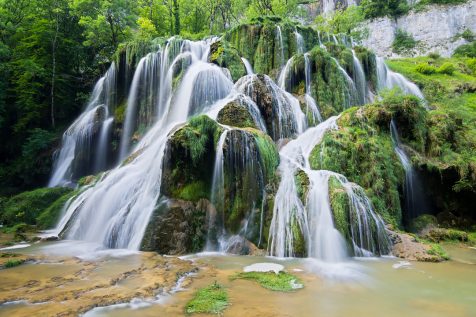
(189, 159)
(49, 217)
(362, 149)
(268, 153)
(436, 249)
(235, 115)
(281, 282)
(302, 185)
(212, 300)
(27, 206)
(13, 262)
(225, 56)
(448, 146)
(340, 207)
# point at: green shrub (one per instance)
(212, 299)
(282, 282)
(27, 206)
(447, 68)
(468, 35)
(403, 42)
(434, 55)
(13, 263)
(425, 69)
(436, 249)
(466, 50)
(471, 63)
(423, 222)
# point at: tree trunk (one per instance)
(53, 72)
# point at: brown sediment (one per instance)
(60, 286)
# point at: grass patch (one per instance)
(13, 263)
(212, 299)
(436, 249)
(281, 282)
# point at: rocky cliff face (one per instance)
(437, 29)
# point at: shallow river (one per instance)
(359, 287)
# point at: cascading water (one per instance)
(387, 79)
(279, 38)
(74, 157)
(359, 80)
(239, 180)
(288, 118)
(314, 219)
(127, 195)
(248, 67)
(105, 134)
(351, 91)
(415, 202)
(301, 46)
(310, 101)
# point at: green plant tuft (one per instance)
(281, 282)
(212, 299)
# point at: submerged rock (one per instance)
(177, 227)
(407, 247)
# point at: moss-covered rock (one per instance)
(236, 115)
(189, 160)
(362, 149)
(50, 216)
(28, 206)
(227, 57)
(177, 227)
(340, 207)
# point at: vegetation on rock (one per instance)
(280, 282)
(212, 299)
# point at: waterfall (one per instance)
(311, 103)
(387, 79)
(217, 198)
(116, 210)
(284, 75)
(359, 79)
(102, 147)
(249, 68)
(314, 218)
(351, 93)
(300, 45)
(238, 184)
(288, 118)
(288, 207)
(73, 159)
(279, 37)
(414, 197)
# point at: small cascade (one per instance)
(289, 211)
(74, 158)
(239, 180)
(284, 77)
(310, 101)
(142, 99)
(217, 221)
(414, 197)
(299, 42)
(104, 137)
(127, 195)
(387, 79)
(351, 93)
(279, 38)
(311, 222)
(287, 118)
(359, 79)
(249, 68)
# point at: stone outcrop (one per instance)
(437, 29)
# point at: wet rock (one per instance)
(236, 115)
(177, 227)
(241, 246)
(407, 247)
